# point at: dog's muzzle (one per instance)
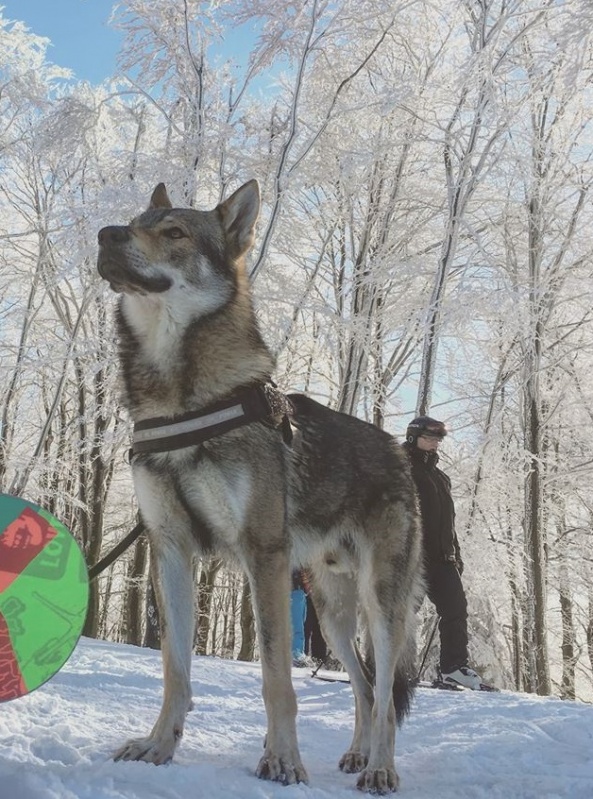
(114, 266)
(114, 235)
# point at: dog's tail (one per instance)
(404, 684)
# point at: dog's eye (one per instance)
(174, 233)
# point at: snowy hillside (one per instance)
(56, 743)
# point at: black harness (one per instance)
(260, 403)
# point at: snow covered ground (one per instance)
(56, 743)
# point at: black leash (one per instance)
(117, 550)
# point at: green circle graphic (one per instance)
(43, 596)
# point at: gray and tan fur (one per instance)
(339, 499)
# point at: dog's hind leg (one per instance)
(268, 573)
(335, 597)
(387, 581)
(171, 571)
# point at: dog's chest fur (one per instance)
(159, 328)
(174, 361)
(195, 492)
(151, 356)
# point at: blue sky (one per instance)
(81, 39)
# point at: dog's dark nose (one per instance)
(114, 234)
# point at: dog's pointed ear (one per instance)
(160, 198)
(239, 215)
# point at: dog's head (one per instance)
(174, 249)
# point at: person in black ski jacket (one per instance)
(315, 645)
(442, 556)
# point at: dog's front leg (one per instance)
(171, 571)
(270, 586)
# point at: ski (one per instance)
(439, 685)
(343, 678)
(447, 686)
(489, 688)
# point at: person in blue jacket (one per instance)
(298, 614)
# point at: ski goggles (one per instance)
(433, 433)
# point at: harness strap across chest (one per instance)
(261, 403)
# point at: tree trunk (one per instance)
(247, 650)
(532, 411)
(517, 648)
(96, 476)
(534, 549)
(205, 592)
(228, 641)
(104, 632)
(528, 667)
(133, 602)
(590, 632)
(569, 657)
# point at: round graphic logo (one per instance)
(43, 596)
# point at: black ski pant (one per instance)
(445, 591)
(315, 645)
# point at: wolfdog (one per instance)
(223, 463)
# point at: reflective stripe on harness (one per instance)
(262, 403)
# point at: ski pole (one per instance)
(427, 649)
(319, 665)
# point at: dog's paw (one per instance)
(151, 750)
(288, 771)
(353, 762)
(378, 781)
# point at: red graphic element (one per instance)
(12, 683)
(22, 540)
